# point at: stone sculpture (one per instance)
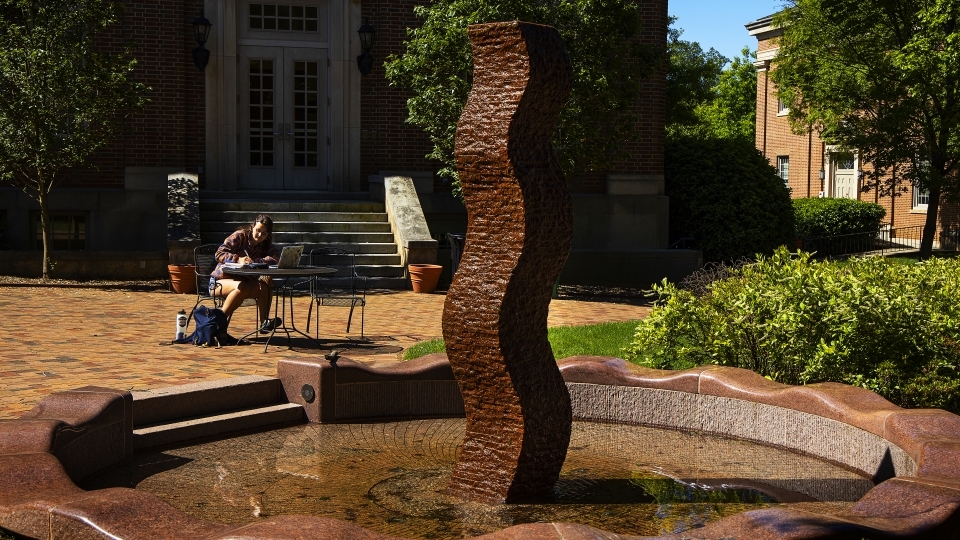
(520, 226)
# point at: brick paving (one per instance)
(60, 338)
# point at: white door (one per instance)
(284, 140)
(844, 176)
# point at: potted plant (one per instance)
(424, 277)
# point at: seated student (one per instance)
(250, 244)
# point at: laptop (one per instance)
(290, 257)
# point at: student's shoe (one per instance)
(269, 325)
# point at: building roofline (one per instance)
(760, 24)
(763, 28)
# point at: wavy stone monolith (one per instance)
(519, 229)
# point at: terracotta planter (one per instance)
(424, 277)
(183, 278)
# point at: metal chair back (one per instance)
(344, 288)
(205, 259)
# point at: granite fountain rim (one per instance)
(43, 449)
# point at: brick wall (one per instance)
(169, 132)
(775, 139)
(388, 143)
(806, 152)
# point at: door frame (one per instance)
(221, 92)
(829, 189)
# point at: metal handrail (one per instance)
(878, 242)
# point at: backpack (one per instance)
(210, 329)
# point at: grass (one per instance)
(605, 339)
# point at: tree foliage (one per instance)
(60, 97)
(725, 195)
(705, 98)
(692, 76)
(733, 111)
(881, 78)
(608, 64)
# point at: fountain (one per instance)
(903, 465)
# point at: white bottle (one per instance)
(181, 324)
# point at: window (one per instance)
(69, 231)
(783, 168)
(921, 197)
(782, 108)
(261, 113)
(279, 17)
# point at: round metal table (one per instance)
(285, 292)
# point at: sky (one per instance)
(719, 23)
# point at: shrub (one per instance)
(891, 328)
(817, 218)
(724, 194)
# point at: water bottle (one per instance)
(181, 324)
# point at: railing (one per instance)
(880, 242)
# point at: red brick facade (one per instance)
(807, 156)
(387, 142)
(169, 132)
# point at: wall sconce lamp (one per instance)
(821, 174)
(365, 61)
(201, 31)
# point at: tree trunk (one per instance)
(45, 227)
(930, 225)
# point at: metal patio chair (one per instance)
(343, 289)
(205, 260)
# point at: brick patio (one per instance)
(60, 338)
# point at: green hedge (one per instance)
(725, 194)
(868, 322)
(817, 218)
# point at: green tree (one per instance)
(608, 64)
(732, 113)
(692, 76)
(60, 98)
(883, 79)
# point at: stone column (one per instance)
(519, 229)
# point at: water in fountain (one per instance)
(392, 477)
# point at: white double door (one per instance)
(283, 133)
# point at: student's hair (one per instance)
(267, 222)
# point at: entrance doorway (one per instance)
(284, 139)
(844, 176)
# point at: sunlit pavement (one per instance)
(61, 338)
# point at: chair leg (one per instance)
(363, 306)
(350, 316)
(310, 313)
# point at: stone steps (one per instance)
(244, 218)
(358, 226)
(176, 414)
(227, 227)
(202, 427)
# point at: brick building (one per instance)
(812, 168)
(281, 112)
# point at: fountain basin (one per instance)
(912, 455)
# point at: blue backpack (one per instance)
(210, 329)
